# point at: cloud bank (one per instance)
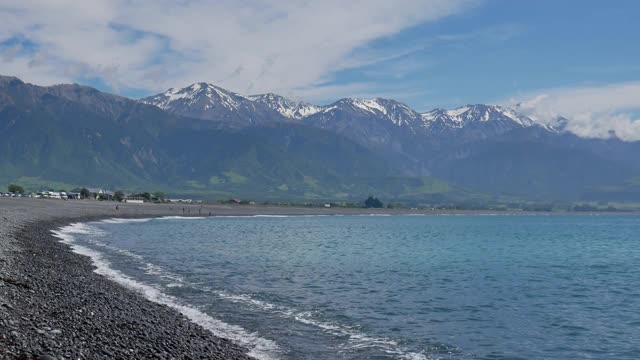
(591, 111)
(286, 46)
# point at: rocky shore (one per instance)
(53, 304)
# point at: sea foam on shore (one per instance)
(259, 347)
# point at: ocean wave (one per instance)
(124, 221)
(158, 271)
(356, 338)
(174, 285)
(259, 347)
(84, 228)
(141, 220)
(271, 216)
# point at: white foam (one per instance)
(82, 228)
(242, 298)
(260, 348)
(124, 221)
(272, 216)
(357, 339)
(414, 356)
(374, 215)
(155, 270)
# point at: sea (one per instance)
(387, 287)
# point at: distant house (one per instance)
(188, 201)
(101, 194)
(73, 195)
(132, 199)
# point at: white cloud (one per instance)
(247, 46)
(591, 111)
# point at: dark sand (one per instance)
(53, 304)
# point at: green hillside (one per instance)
(77, 136)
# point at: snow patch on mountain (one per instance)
(469, 114)
(286, 107)
(203, 95)
(207, 101)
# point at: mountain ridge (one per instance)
(209, 102)
(210, 141)
(77, 135)
(449, 143)
(178, 100)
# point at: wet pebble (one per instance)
(84, 315)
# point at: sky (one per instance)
(573, 58)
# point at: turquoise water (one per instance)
(390, 287)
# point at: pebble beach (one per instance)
(54, 306)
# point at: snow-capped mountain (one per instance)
(373, 122)
(384, 121)
(209, 102)
(362, 146)
(475, 122)
(380, 123)
(376, 120)
(287, 108)
(439, 119)
(385, 111)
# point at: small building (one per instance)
(132, 199)
(101, 194)
(74, 195)
(187, 201)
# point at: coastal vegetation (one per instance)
(373, 202)
(435, 203)
(17, 189)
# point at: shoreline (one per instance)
(52, 302)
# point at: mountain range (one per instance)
(211, 142)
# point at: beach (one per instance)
(53, 304)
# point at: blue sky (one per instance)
(501, 49)
(552, 56)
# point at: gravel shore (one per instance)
(53, 305)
